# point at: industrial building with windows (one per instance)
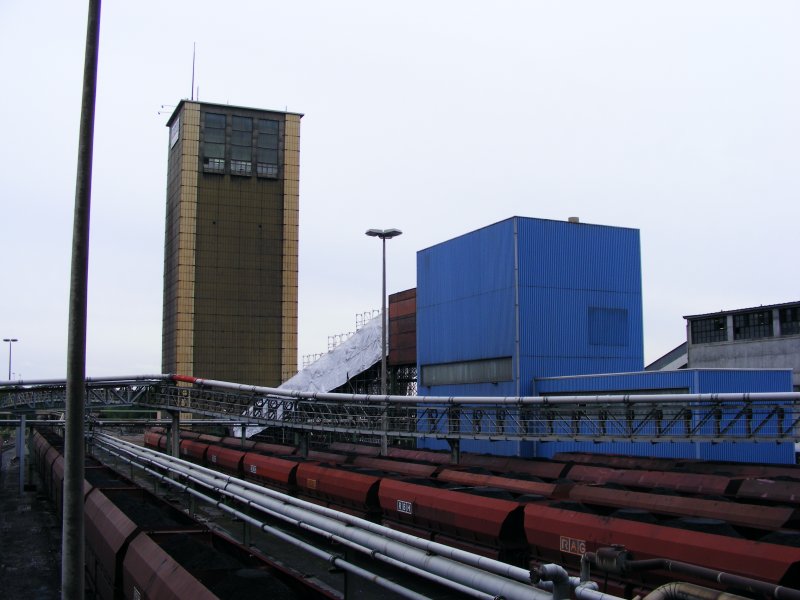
(231, 244)
(528, 307)
(761, 337)
(521, 307)
(527, 298)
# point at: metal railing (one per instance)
(767, 417)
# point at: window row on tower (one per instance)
(244, 142)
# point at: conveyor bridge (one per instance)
(732, 417)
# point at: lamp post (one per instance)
(383, 234)
(10, 341)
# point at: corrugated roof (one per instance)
(744, 310)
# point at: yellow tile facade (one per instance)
(230, 300)
(187, 207)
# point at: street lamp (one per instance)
(10, 341)
(383, 234)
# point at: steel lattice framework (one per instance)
(54, 397)
(767, 417)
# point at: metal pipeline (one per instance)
(346, 530)
(618, 398)
(479, 562)
(617, 560)
(110, 380)
(583, 589)
(336, 397)
(588, 590)
(333, 559)
(558, 576)
(689, 591)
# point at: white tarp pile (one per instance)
(353, 356)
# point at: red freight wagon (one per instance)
(487, 521)
(270, 469)
(225, 459)
(194, 451)
(563, 536)
(338, 486)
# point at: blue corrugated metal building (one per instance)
(527, 306)
(527, 298)
(688, 381)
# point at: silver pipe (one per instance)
(283, 536)
(682, 591)
(435, 568)
(479, 562)
(440, 566)
(588, 591)
(115, 379)
(589, 399)
(302, 520)
(559, 577)
(435, 400)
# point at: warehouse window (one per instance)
(491, 370)
(214, 143)
(267, 148)
(790, 320)
(174, 131)
(752, 325)
(712, 329)
(608, 326)
(242, 146)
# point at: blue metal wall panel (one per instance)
(741, 452)
(466, 295)
(481, 326)
(674, 450)
(558, 254)
(471, 264)
(555, 322)
(465, 302)
(476, 447)
(782, 453)
(716, 381)
(557, 366)
(695, 381)
(623, 382)
(465, 299)
(567, 273)
(502, 388)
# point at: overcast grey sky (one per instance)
(677, 118)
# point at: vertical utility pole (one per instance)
(383, 235)
(10, 341)
(72, 546)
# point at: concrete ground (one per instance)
(30, 538)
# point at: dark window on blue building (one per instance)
(790, 320)
(490, 370)
(712, 329)
(752, 325)
(608, 326)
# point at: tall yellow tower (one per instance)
(230, 250)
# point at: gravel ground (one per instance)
(30, 538)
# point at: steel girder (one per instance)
(711, 420)
(54, 397)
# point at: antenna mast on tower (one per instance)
(194, 47)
